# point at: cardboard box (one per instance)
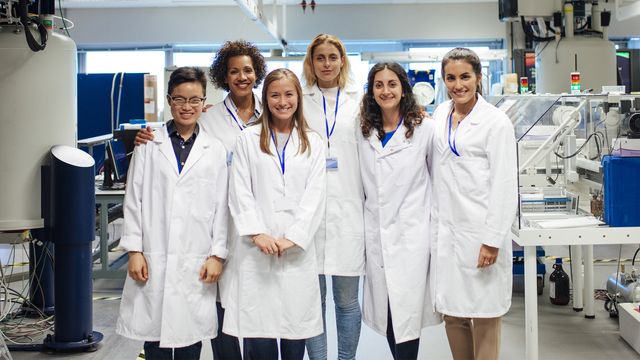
(150, 96)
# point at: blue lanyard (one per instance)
(452, 146)
(284, 149)
(335, 113)
(241, 127)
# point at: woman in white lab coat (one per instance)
(331, 108)
(394, 159)
(175, 230)
(475, 187)
(277, 194)
(238, 68)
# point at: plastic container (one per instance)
(621, 190)
(559, 285)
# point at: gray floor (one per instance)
(564, 334)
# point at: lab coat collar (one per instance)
(161, 137)
(202, 141)
(397, 142)
(256, 100)
(474, 116)
(257, 111)
(200, 145)
(292, 146)
(315, 94)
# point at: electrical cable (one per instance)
(527, 28)
(544, 47)
(633, 260)
(593, 135)
(557, 44)
(65, 21)
(64, 24)
(15, 327)
(26, 21)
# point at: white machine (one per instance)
(571, 37)
(37, 111)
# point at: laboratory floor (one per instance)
(563, 333)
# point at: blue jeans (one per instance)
(267, 349)
(153, 351)
(348, 318)
(224, 347)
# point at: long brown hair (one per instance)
(308, 71)
(298, 118)
(370, 111)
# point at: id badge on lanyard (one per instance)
(332, 161)
(332, 164)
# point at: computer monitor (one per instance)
(628, 62)
(118, 161)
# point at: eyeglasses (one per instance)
(180, 101)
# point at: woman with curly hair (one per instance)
(238, 68)
(331, 107)
(394, 151)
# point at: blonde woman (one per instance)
(331, 107)
(277, 194)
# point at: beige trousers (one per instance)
(473, 338)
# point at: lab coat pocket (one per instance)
(140, 308)
(296, 260)
(156, 267)
(471, 174)
(199, 297)
(467, 248)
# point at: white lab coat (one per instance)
(340, 238)
(218, 123)
(397, 232)
(476, 200)
(275, 297)
(177, 220)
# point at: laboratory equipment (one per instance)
(118, 159)
(561, 140)
(73, 228)
(621, 190)
(628, 62)
(569, 36)
(18, 14)
(38, 92)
